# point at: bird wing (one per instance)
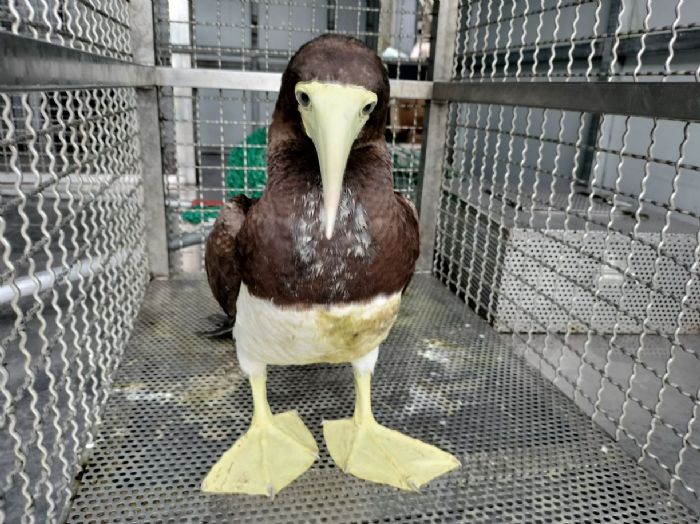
(221, 255)
(409, 207)
(410, 231)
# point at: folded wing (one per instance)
(221, 255)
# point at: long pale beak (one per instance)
(333, 116)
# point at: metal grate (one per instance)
(96, 26)
(528, 453)
(73, 275)
(555, 40)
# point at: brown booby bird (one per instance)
(314, 270)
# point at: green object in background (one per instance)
(242, 160)
(197, 214)
(252, 161)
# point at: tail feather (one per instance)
(222, 327)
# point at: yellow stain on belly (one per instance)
(354, 333)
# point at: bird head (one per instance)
(335, 91)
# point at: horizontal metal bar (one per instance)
(28, 64)
(417, 89)
(263, 81)
(218, 79)
(189, 239)
(46, 279)
(673, 100)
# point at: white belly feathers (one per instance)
(267, 333)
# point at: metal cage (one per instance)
(550, 338)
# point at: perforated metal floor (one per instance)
(528, 453)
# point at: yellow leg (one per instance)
(364, 448)
(274, 451)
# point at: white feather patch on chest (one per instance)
(283, 335)
(351, 241)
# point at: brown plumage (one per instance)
(221, 257)
(276, 245)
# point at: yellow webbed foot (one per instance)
(364, 448)
(274, 451)
(265, 459)
(373, 452)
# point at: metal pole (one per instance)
(606, 58)
(41, 281)
(442, 51)
(386, 26)
(141, 14)
(669, 100)
(28, 64)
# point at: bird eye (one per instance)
(303, 99)
(368, 108)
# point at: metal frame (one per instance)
(141, 14)
(264, 81)
(32, 64)
(679, 101)
(442, 49)
(29, 64)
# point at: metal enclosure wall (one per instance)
(565, 212)
(73, 262)
(569, 207)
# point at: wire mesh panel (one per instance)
(263, 35)
(215, 140)
(97, 26)
(578, 40)
(597, 280)
(578, 232)
(215, 145)
(73, 277)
